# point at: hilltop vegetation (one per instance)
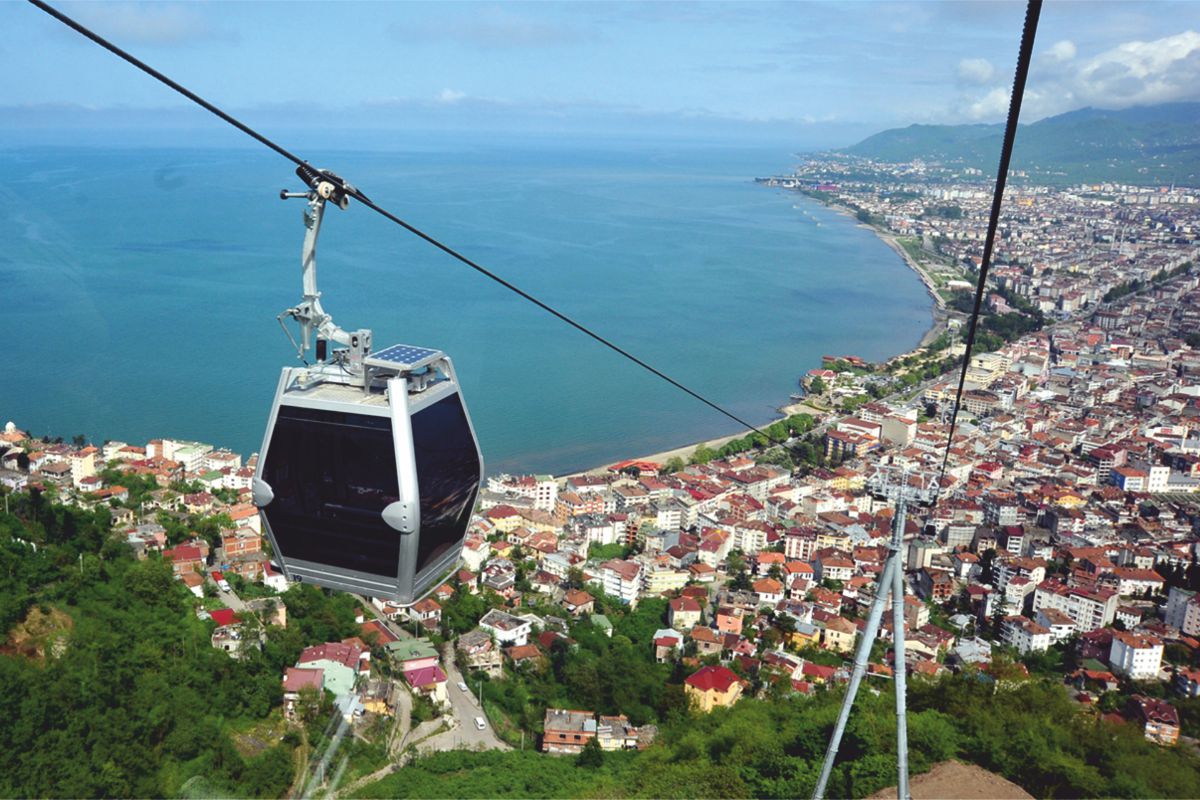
(1030, 733)
(1149, 145)
(109, 685)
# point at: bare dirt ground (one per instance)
(40, 633)
(952, 780)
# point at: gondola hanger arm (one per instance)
(309, 314)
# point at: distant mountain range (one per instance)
(1148, 145)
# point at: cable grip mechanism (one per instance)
(324, 186)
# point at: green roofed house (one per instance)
(412, 653)
(212, 480)
(404, 649)
(601, 622)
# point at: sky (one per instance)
(821, 73)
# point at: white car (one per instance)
(462, 687)
(479, 723)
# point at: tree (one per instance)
(817, 386)
(575, 578)
(591, 757)
(741, 581)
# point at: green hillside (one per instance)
(1148, 145)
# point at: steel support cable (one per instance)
(1032, 13)
(362, 198)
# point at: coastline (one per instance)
(939, 305)
(686, 450)
(937, 326)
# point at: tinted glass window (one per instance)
(332, 474)
(447, 475)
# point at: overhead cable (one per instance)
(1032, 13)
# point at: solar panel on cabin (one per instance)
(403, 354)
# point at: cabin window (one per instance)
(332, 474)
(447, 475)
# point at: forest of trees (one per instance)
(1031, 734)
(608, 675)
(766, 452)
(120, 693)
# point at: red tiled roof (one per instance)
(183, 552)
(523, 651)
(225, 616)
(426, 606)
(425, 676)
(679, 604)
(332, 651)
(380, 630)
(712, 679)
(296, 679)
(817, 670)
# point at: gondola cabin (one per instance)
(368, 476)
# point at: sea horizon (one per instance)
(165, 268)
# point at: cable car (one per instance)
(370, 467)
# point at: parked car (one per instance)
(462, 687)
(479, 723)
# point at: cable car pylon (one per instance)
(901, 486)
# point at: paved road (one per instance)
(228, 598)
(464, 709)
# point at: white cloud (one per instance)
(990, 106)
(162, 23)
(1061, 51)
(449, 97)
(975, 70)
(1135, 73)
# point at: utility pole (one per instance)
(901, 486)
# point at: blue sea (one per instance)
(139, 287)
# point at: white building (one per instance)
(659, 580)
(190, 454)
(668, 515)
(1025, 635)
(1060, 625)
(749, 539)
(541, 489)
(1088, 609)
(1136, 656)
(622, 580)
(1183, 611)
(507, 629)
